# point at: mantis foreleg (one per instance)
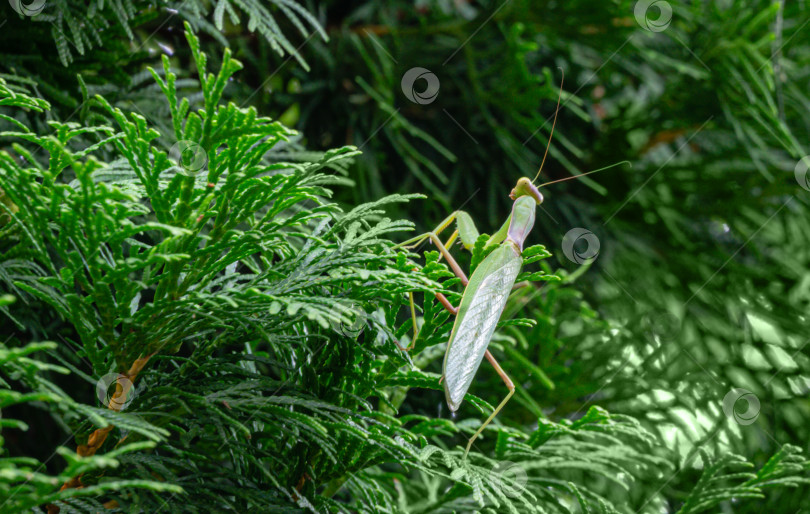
(465, 229)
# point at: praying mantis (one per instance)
(486, 291)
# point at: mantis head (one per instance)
(527, 197)
(525, 187)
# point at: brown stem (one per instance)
(96, 440)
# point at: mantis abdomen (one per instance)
(481, 307)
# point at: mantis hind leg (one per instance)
(500, 406)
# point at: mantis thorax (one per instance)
(522, 219)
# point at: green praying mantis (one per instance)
(486, 291)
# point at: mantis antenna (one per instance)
(556, 111)
(583, 174)
(548, 144)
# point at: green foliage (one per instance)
(157, 215)
(149, 252)
(23, 484)
(77, 27)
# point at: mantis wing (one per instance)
(481, 307)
